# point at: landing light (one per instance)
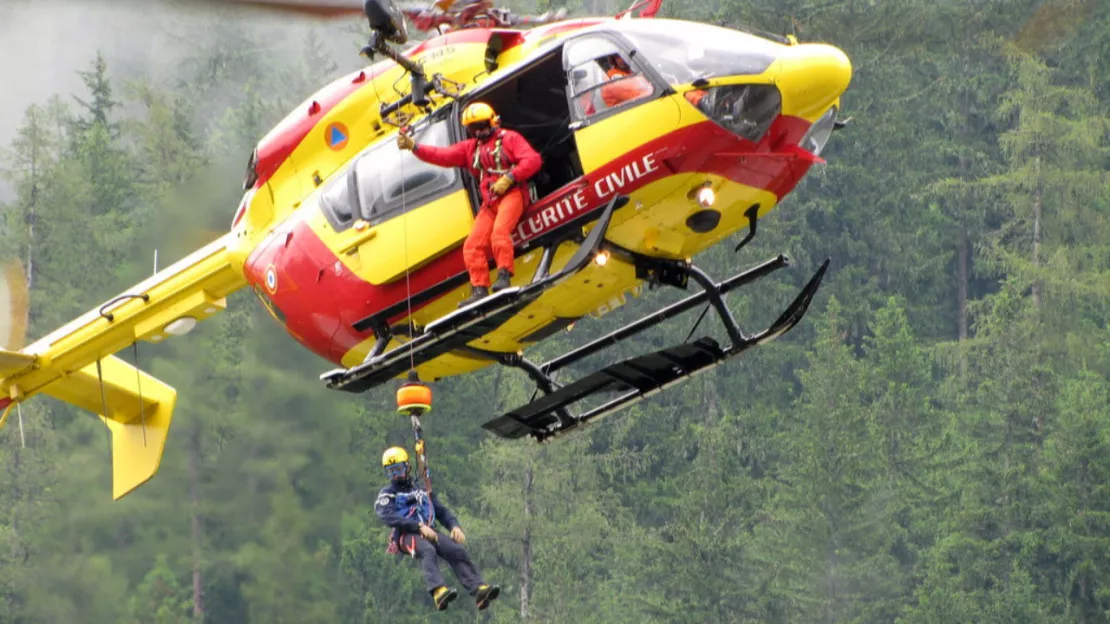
(601, 258)
(706, 196)
(181, 326)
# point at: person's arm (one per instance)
(528, 161)
(457, 155)
(387, 511)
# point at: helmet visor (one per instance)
(397, 471)
(478, 128)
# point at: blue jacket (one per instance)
(405, 508)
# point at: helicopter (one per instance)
(355, 247)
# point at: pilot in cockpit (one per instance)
(623, 85)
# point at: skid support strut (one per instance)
(710, 291)
(642, 376)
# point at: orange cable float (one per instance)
(414, 398)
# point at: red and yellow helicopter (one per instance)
(355, 247)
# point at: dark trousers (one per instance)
(454, 554)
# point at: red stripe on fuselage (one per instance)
(280, 142)
(322, 299)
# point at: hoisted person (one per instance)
(412, 513)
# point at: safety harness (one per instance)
(497, 154)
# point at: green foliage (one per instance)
(929, 446)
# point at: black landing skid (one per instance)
(643, 376)
(453, 331)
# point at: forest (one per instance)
(929, 446)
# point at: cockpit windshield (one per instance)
(683, 52)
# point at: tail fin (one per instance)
(75, 363)
(139, 410)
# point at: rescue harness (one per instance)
(498, 169)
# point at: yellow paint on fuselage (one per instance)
(810, 78)
(652, 223)
(313, 162)
(403, 243)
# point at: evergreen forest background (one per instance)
(929, 446)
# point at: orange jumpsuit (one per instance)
(617, 92)
(504, 152)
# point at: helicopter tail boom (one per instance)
(138, 415)
(76, 363)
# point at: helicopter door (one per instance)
(615, 107)
(414, 211)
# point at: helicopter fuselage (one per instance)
(344, 238)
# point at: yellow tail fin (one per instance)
(136, 407)
(140, 408)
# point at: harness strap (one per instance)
(497, 154)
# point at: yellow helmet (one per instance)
(394, 455)
(478, 112)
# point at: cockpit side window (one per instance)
(391, 181)
(385, 182)
(601, 77)
(338, 203)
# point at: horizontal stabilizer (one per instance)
(14, 362)
(136, 407)
(139, 410)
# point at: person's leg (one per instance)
(509, 209)
(468, 574)
(459, 560)
(425, 553)
(474, 249)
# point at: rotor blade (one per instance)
(320, 8)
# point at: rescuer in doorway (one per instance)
(412, 513)
(503, 162)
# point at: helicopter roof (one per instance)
(680, 50)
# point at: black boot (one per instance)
(502, 282)
(477, 293)
(443, 596)
(485, 595)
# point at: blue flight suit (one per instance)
(404, 507)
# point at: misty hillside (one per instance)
(929, 446)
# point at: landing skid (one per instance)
(464, 325)
(643, 376)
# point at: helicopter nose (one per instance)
(812, 79)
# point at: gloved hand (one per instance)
(457, 535)
(428, 534)
(404, 141)
(501, 186)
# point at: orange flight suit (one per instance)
(506, 151)
(617, 92)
